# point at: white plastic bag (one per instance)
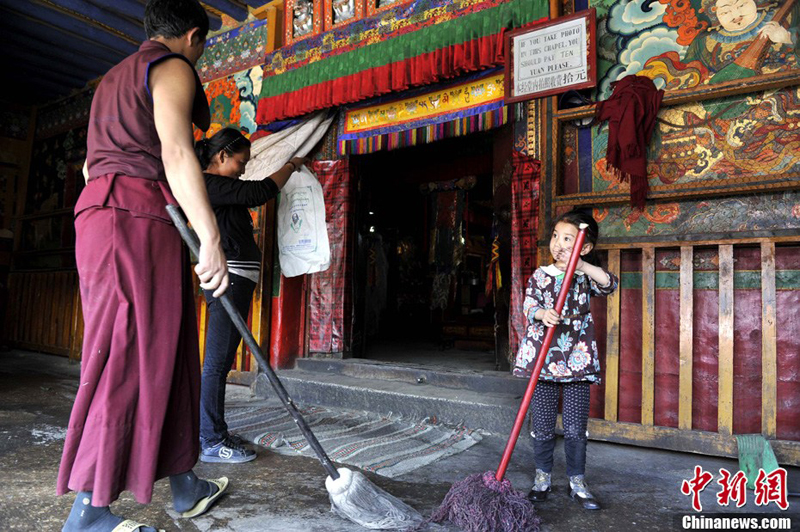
(302, 233)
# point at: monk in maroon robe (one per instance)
(135, 418)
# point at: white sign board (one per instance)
(551, 58)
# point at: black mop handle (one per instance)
(193, 242)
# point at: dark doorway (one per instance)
(425, 231)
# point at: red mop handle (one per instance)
(548, 338)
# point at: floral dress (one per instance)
(573, 352)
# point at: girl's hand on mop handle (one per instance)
(548, 316)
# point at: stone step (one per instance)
(477, 381)
(490, 411)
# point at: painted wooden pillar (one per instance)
(686, 328)
(769, 345)
(612, 341)
(648, 334)
(725, 404)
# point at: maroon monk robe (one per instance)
(135, 417)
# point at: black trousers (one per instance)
(222, 341)
(575, 416)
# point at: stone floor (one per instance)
(640, 488)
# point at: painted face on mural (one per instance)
(735, 15)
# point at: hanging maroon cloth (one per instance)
(631, 113)
(525, 175)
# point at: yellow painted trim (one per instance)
(648, 334)
(769, 343)
(686, 338)
(725, 401)
(612, 342)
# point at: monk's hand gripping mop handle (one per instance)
(193, 242)
(352, 496)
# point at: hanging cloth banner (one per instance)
(410, 45)
(470, 104)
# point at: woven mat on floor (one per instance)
(384, 445)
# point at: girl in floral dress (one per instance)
(572, 362)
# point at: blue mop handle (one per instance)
(193, 242)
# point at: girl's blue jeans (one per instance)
(222, 341)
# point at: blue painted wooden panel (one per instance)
(36, 13)
(30, 70)
(26, 79)
(585, 158)
(103, 16)
(135, 10)
(50, 59)
(231, 9)
(30, 33)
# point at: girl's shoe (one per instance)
(581, 493)
(541, 487)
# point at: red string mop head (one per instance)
(487, 502)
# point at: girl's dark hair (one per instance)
(173, 18)
(229, 140)
(583, 215)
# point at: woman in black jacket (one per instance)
(223, 158)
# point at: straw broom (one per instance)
(486, 502)
(352, 496)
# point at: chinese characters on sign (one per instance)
(552, 58)
(769, 487)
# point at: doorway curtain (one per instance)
(525, 174)
(330, 292)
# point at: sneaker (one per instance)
(238, 440)
(227, 452)
(541, 486)
(581, 493)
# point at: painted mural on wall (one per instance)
(52, 184)
(233, 51)
(702, 218)
(734, 144)
(683, 44)
(233, 100)
(69, 113)
(760, 143)
(14, 123)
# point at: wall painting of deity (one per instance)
(376, 6)
(301, 19)
(719, 132)
(339, 13)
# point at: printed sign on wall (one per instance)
(551, 57)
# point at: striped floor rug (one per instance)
(383, 445)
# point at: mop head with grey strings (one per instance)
(352, 495)
(359, 500)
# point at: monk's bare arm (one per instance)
(172, 85)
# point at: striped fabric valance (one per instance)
(468, 105)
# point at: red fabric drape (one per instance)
(631, 112)
(423, 69)
(525, 176)
(330, 319)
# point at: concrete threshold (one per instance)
(472, 399)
